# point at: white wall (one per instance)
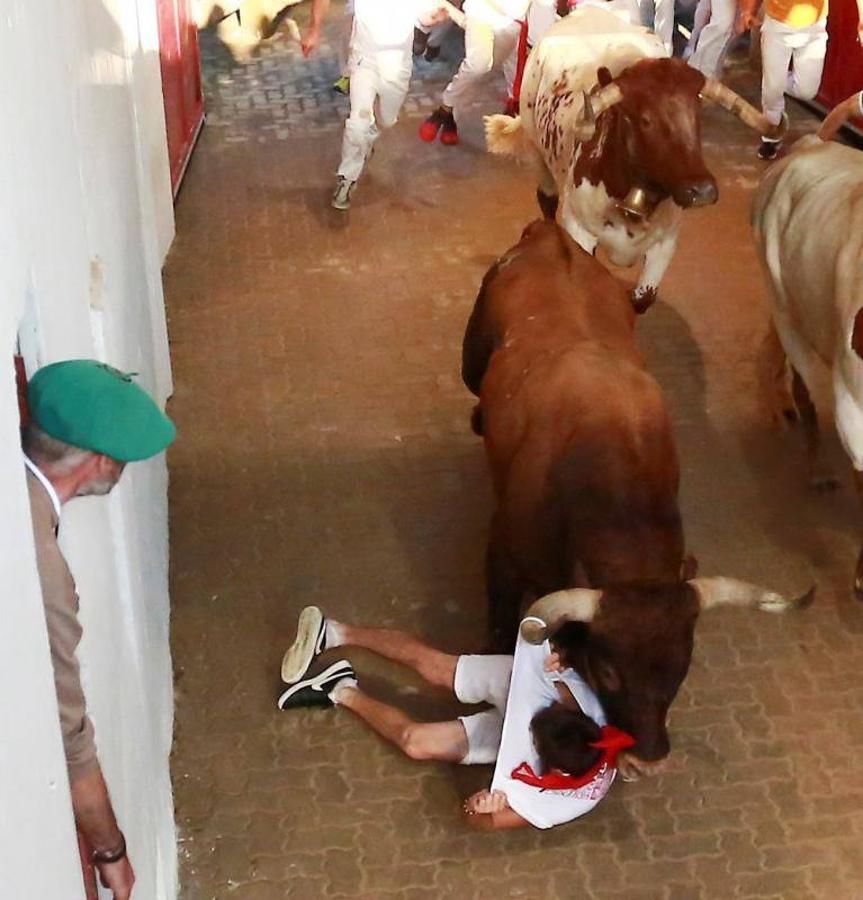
(85, 220)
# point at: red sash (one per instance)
(611, 742)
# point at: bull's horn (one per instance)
(713, 592)
(839, 115)
(594, 106)
(748, 114)
(550, 612)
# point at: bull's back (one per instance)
(808, 221)
(563, 66)
(548, 282)
(580, 439)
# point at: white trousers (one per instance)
(485, 48)
(344, 47)
(701, 18)
(661, 14)
(802, 49)
(379, 85)
(714, 39)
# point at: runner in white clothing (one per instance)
(546, 731)
(490, 37)
(379, 68)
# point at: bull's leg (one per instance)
(656, 261)
(805, 366)
(848, 414)
(858, 571)
(506, 592)
(476, 420)
(820, 476)
(546, 194)
(773, 366)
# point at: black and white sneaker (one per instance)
(315, 691)
(310, 641)
(769, 150)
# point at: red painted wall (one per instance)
(181, 83)
(843, 68)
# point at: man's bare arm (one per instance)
(746, 15)
(507, 818)
(312, 38)
(95, 818)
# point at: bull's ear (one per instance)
(603, 76)
(857, 334)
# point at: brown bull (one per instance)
(585, 474)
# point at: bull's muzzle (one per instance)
(698, 193)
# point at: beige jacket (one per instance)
(64, 633)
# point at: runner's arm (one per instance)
(746, 15)
(312, 37)
(507, 818)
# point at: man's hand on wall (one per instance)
(118, 877)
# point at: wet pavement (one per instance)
(326, 457)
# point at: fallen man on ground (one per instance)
(554, 754)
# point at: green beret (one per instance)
(93, 406)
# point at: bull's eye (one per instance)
(646, 122)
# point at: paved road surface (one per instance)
(325, 456)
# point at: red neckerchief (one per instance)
(611, 742)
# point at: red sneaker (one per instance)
(449, 132)
(441, 120)
(432, 125)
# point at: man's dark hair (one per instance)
(562, 737)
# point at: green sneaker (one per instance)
(342, 85)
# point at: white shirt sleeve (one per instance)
(533, 689)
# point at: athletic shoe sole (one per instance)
(315, 691)
(309, 642)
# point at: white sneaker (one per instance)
(342, 193)
(311, 640)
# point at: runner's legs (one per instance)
(435, 666)
(444, 741)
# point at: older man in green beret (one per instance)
(87, 421)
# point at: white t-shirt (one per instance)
(497, 13)
(531, 690)
(386, 24)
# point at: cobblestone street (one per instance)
(325, 456)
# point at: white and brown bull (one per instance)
(585, 472)
(612, 128)
(807, 215)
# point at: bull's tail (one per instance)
(505, 135)
(838, 116)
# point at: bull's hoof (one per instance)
(642, 298)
